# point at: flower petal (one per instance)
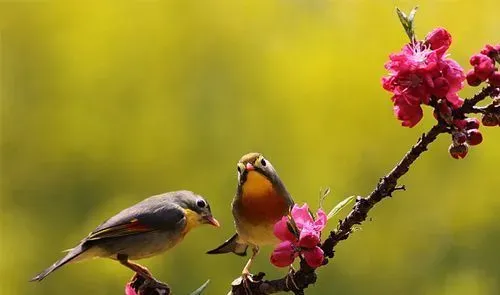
(281, 230)
(301, 215)
(284, 254)
(321, 219)
(309, 236)
(314, 257)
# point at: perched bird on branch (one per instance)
(146, 229)
(261, 200)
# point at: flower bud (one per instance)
(284, 254)
(460, 124)
(458, 151)
(483, 65)
(439, 38)
(472, 78)
(489, 120)
(314, 257)
(458, 137)
(474, 137)
(494, 79)
(472, 123)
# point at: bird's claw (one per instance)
(149, 286)
(290, 278)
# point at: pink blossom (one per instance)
(421, 72)
(304, 239)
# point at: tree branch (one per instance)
(296, 282)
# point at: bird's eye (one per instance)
(263, 162)
(200, 203)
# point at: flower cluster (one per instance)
(484, 66)
(300, 234)
(484, 70)
(422, 74)
(464, 134)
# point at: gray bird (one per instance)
(146, 229)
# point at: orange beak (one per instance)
(211, 220)
(249, 167)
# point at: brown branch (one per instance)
(305, 276)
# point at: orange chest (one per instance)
(260, 202)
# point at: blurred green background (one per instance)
(106, 103)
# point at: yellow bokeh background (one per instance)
(105, 103)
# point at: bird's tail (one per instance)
(70, 257)
(231, 245)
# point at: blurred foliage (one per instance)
(105, 103)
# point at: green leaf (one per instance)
(408, 22)
(201, 288)
(323, 193)
(413, 12)
(340, 206)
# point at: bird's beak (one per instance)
(211, 220)
(249, 167)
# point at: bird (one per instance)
(145, 229)
(260, 201)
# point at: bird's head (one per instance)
(255, 163)
(196, 209)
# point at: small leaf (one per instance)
(407, 22)
(402, 17)
(323, 193)
(413, 12)
(201, 288)
(340, 206)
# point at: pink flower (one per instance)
(421, 72)
(300, 237)
(483, 65)
(129, 290)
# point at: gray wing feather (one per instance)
(156, 213)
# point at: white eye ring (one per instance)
(263, 162)
(201, 203)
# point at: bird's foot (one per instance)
(149, 286)
(290, 281)
(247, 282)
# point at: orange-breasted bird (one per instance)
(148, 228)
(261, 200)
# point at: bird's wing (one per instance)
(149, 215)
